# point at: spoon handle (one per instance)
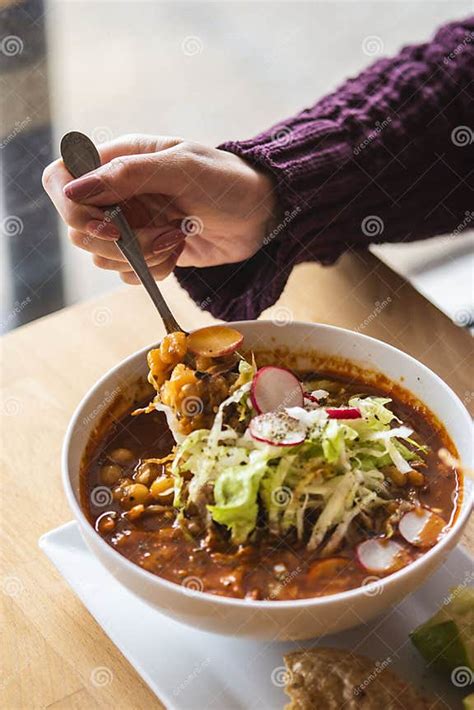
(80, 156)
(130, 248)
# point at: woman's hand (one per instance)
(189, 205)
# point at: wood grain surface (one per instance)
(50, 644)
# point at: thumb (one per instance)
(126, 176)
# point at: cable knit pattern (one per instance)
(386, 157)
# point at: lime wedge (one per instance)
(446, 640)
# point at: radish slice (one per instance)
(381, 556)
(214, 341)
(316, 396)
(277, 429)
(274, 388)
(344, 413)
(421, 527)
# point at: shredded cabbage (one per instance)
(335, 474)
(235, 495)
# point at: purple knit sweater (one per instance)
(388, 157)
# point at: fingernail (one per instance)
(86, 186)
(167, 241)
(102, 229)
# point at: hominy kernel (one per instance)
(416, 478)
(161, 485)
(135, 494)
(121, 456)
(135, 512)
(146, 472)
(188, 390)
(397, 477)
(106, 524)
(110, 474)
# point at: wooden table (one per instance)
(50, 643)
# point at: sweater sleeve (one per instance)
(386, 158)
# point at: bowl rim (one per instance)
(390, 580)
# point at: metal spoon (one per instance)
(80, 156)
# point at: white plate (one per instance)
(194, 670)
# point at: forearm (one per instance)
(386, 146)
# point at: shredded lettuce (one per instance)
(329, 479)
(235, 495)
(171, 420)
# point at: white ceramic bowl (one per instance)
(303, 618)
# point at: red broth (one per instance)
(268, 568)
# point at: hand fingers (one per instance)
(56, 176)
(75, 215)
(151, 244)
(123, 265)
(158, 272)
(95, 245)
(164, 172)
(134, 144)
